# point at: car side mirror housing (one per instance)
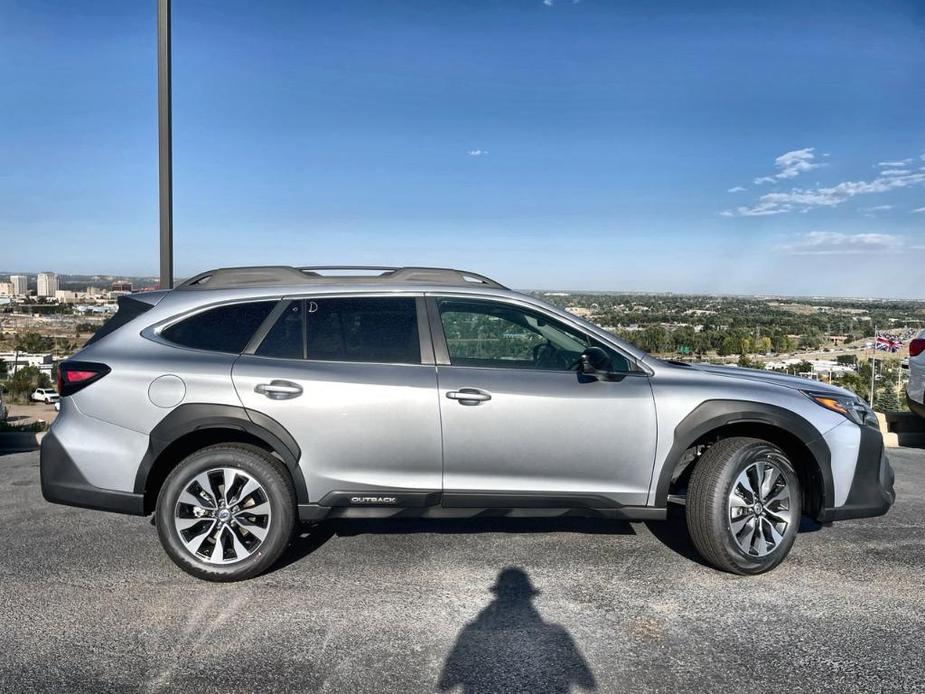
(594, 362)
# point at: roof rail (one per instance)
(281, 275)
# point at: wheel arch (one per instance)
(713, 420)
(193, 426)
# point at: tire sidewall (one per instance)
(280, 494)
(743, 458)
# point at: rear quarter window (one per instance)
(225, 329)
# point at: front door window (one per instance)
(491, 334)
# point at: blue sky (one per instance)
(556, 144)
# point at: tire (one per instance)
(219, 541)
(734, 529)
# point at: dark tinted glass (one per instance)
(371, 330)
(285, 339)
(129, 309)
(220, 329)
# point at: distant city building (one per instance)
(65, 296)
(20, 284)
(6, 288)
(122, 287)
(20, 360)
(47, 284)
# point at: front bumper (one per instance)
(871, 493)
(63, 483)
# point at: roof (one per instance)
(283, 275)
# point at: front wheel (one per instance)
(743, 505)
(226, 512)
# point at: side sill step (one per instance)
(317, 512)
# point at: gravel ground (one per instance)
(90, 602)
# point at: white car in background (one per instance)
(915, 389)
(46, 395)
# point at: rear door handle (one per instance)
(279, 390)
(469, 396)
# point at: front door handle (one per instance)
(468, 396)
(279, 390)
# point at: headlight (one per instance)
(847, 405)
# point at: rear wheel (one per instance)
(743, 505)
(226, 512)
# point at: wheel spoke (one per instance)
(745, 484)
(257, 531)
(195, 501)
(249, 488)
(775, 535)
(218, 550)
(741, 520)
(782, 493)
(748, 539)
(195, 543)
(755, 475)
(779, 516)
(736, 501)
(240, 551)
(228, 476)
(205, 484)
(187, 523)
(261, 509)
(770, 480)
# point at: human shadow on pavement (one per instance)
(509, 647)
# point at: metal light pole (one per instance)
(165, 147)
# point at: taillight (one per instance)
(76, 375)
(916, 347)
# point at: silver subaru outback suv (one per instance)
(248, 399)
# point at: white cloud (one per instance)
(791, 164)
(837, 243)
(898, 164)
(876, 208)
(919, 209)
(895, 172)
(476, 152)
(805, 199)
(736, 189)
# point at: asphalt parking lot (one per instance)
(90, 602)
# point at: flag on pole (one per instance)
(887, 343)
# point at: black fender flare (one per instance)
(711, 415)
(191, 417)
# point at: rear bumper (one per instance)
(871, 492)
(63, 483)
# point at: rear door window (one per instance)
(375, 330)
(221, 329)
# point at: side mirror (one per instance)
(594, 361)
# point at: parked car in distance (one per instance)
(46, 395)
(915, 388)
(248, 399)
